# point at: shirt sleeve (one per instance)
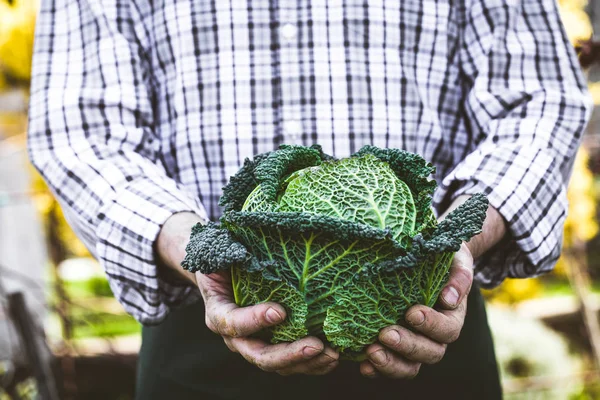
(92, 137)
(526, 107)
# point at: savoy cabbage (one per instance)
(346, 246)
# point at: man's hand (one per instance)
(235, 324)
(401, 351)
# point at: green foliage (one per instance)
(93, 323)
(345, 245)
(96, 286)
(94, 312)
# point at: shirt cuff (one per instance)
(527, 188)
(128, 228)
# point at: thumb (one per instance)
(227, 319)
(459, 281)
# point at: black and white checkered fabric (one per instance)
(140, 109)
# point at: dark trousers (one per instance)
(181, 359)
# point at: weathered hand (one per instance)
(401, 351)
(306, 356)
(235, 324)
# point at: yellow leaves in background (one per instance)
(513, 291)
(581, 221)
(575, 19)
(17, 26)
(594, 88)
(49, 209)
(581, 224)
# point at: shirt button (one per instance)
(289, 31)
(293, 129)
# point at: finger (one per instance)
(442, 326)
(367, 369)
(320, 365)
(227, 319)
(229, 345)
(412, 346)
(269, 357)
(460, 280)
(391, 365)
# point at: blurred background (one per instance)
(61, 330)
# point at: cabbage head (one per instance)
(346, 246)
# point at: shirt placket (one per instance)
(291, 113)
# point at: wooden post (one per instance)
(36, 360)
(576, 260)
(57, 254)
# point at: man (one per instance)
(140, 111)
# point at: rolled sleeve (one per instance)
(127, 230)
(91, 136)
(527, 108)
(525, 186)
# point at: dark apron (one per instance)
(181, 359)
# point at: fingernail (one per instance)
(273, 316)
(451, 296)
(391, 337)
(310, 351)
(372, 375)
(416, 318)
(378, 357)
(330, 360)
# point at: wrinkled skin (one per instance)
(400, 351)
(390, 358)
(235, 324)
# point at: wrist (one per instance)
(171, 243)
(493, 230)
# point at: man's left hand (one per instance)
(401, 351)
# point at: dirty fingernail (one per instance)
(378, 357)
(273, 316)
(391, 337)
(416, 318)
(451, 296)
(310, 351)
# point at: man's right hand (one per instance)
(235, 324)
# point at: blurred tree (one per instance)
(50, 210)
(581, 224)
(17, 26)
(576, 21)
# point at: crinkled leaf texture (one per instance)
(346, 246)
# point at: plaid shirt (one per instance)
(141, 109)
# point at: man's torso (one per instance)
(236, 78)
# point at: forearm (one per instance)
(171, 242)
(494, 229)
